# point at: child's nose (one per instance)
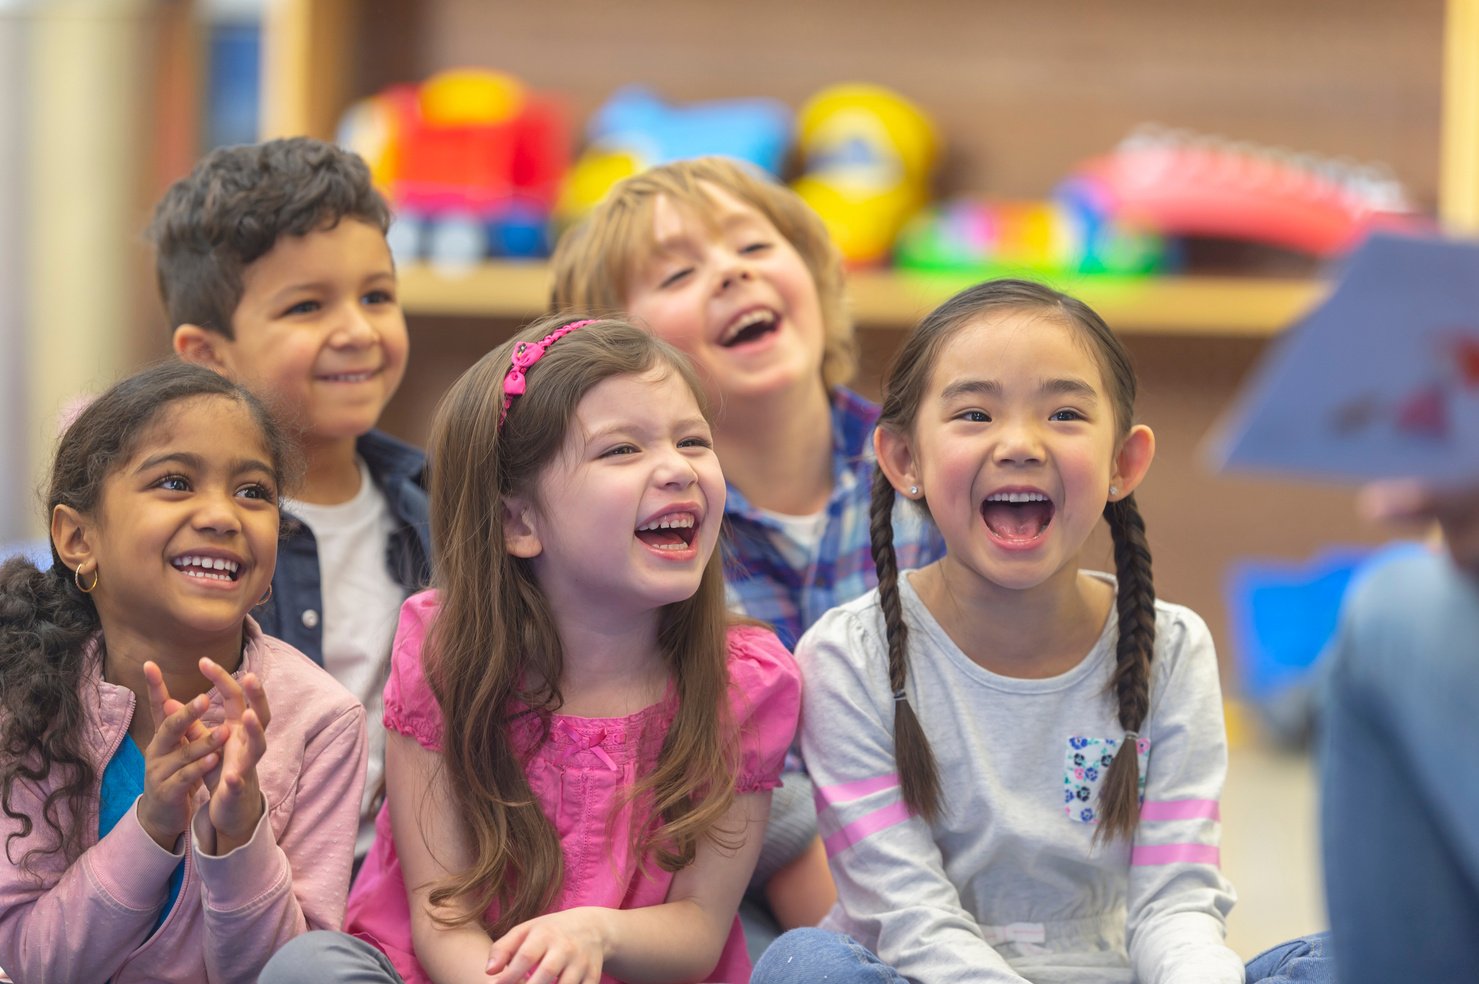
(1019, 444)
(734, 269)
(217, 513)
(355, 328)
(676, 471)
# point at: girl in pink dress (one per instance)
(582, 742)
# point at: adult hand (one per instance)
(1454, 509)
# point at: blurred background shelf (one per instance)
(1191, 306)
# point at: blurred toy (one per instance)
(867, 157)
(471, 161)
(1183, 184)
(981, 238)
(636, 130)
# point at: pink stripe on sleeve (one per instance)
(857, 789)
(1187, 809)
(878, 820)
(1177, 854)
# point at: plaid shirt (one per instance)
(773, 578)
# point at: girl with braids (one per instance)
(161, 822)
(1018, 763)
(582, 742)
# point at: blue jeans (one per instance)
(1400, 776)
(321, 956)
(803, 956)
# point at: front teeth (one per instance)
(207, 567)
(745, 321)
(1017, 497)
(677, 521)
(348, 377)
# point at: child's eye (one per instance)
(1066, 415)
(675, 277)
(173, 483)
(975, 416)
(302, 307)
(756, 247)
(379, 297)
(256, 490)
(695, 442)
(620, 449)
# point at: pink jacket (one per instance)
(92, 920)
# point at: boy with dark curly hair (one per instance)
(274, 269)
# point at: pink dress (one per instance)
(578, 777)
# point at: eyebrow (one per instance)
(628, 428)
(197, 463)
(303, 286)
(1062, 386)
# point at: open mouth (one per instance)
(1017, 516)
(675, 531)
(207, 568)
(750, 327)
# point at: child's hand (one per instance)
(179, 756)
(236, 798)
(564, 946)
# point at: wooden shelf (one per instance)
(1186, 306)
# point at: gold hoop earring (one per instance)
(77, 579)
(266, 597)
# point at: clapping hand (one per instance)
(177, 760)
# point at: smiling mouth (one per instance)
(208, 568)
(1017, 516)
(348, 377)
(672, 532)
(749, 327)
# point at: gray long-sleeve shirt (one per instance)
(1006, 885)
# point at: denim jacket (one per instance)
(294, 614)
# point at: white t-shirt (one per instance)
(805, 531)
(361, 604)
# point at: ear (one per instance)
(72, 534)
(1132, 460)
(202, 347)
(520, 532)
(896, 459)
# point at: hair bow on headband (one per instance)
(525, 355)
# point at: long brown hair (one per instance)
(493, 650)
(594, 261)
(1119, 798)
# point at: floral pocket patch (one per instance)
(1085, 763)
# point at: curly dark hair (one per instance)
(45, 620)
(234, 206)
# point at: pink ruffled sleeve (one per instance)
(410, 707)
(765, 701)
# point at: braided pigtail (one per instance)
(1119, 797)
(919, 776)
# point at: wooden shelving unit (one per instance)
(1191, 306)
(1020, 93)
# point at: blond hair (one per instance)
(596, 259)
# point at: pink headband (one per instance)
(524, 357)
